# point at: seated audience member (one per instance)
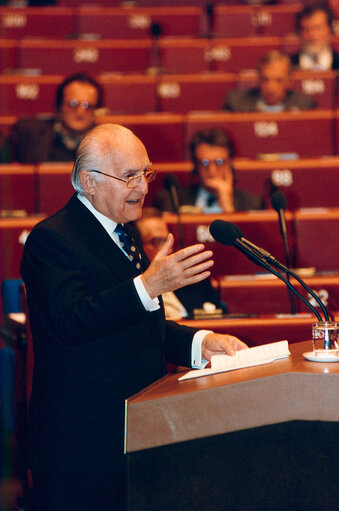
(214, 190)
(57, 138)
(182, 302)
(314, 27)
(273, 93)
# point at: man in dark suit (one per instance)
(98, 324)
(314, 27)
(181, 303)
(213, 188)
(35, 140)
(274, 92)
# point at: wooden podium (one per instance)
(262, 438)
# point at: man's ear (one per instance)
(87, 182)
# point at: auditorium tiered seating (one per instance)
(293, 134)
(47, 22)
(17, 189)
(254, 20)
(138, 23)
(266, 294)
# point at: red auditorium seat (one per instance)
(233, 55)
(8, 55)
(17, 188)
(186, 92)
(13, 234)
(38, 22)
(265, 294)
(129, 94)
(260, 227)
(252, 20)
(296, 178)
(316, 234)
(136, 22)
(54, 186)
(65, 57)
(28, 95)
(185, 55)
(163, 134)
(303, 134)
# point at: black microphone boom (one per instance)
(227, 233)
(171, 185)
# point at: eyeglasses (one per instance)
(218, 162)
(132, 181)
(84, 105)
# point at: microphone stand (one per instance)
(262, 254)
(261, 261)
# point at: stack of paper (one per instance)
(244, 358)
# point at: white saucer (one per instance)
(322, 356)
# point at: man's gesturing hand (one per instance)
(220, 344)
(168, 272)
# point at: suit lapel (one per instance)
(99, 242)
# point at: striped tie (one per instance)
(128, 246)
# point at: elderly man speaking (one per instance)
(98, 324)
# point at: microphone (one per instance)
(171, 185)
(279, 203)
(227, 233)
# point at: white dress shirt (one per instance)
(150, 304)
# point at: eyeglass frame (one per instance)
(84, 105)
(219, 162)
(152, 172)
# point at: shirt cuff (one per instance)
(197, 361)
(149, 303)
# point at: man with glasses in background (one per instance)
(213, 178)
(57, 138)
(98, 325)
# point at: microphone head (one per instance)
(223, 232)
(156, 29)
(278, 200)
(170, 181)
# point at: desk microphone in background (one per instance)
(171, 185)
(229, 234)
(156, 32)
(279, 203)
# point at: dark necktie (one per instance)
(129, 247)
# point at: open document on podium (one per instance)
(244, 358)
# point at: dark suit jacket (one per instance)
(240, 100)
(335, 61)
(243, 200)
(94, 343)
(35, 141)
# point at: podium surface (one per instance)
(261, 438)
(285, 390)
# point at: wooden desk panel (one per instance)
(163, 134)
(246, 21)
(270, 295)
(54, 186)
(28, 95)
(317, 242)
(260, 227)
(262, 329)
(18, 187)
(259, 133)
(38, 22)
(136, 22)
(63, 57)
(306, 182)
